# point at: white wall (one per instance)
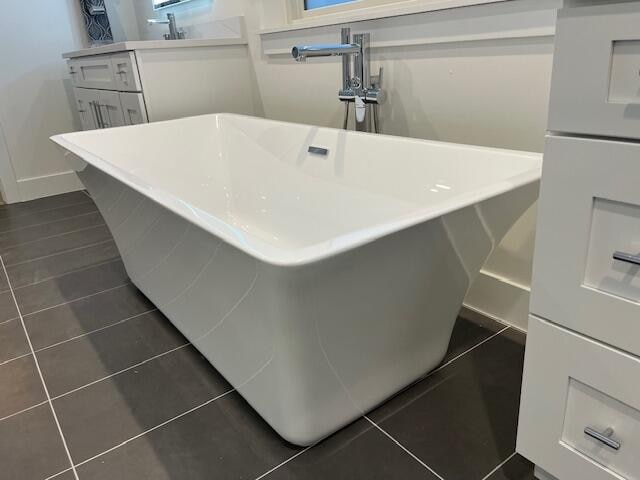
(34, 95)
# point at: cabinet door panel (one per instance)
(86, 100)
(133, 107)
(110, 110)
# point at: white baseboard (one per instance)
(498, 298)
(47, 185)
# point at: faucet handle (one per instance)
(376, 80)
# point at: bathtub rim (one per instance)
(295, 257)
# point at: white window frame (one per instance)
(344, 7)
(369, 9)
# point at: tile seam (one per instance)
(499, 466)
(2, 232)
(51, 255)
(82, 269)
(96, 330)
(160, 425)
(44, 384)
(406, 450)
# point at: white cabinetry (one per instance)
(103, 87)
(85, 105)
(139, 82)
(92, 72)
(133, 108)
(580, 405)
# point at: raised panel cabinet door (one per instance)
(133, 108)
(110, 110)
(86, 101)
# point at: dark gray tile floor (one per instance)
(104, 387)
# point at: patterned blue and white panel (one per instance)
(97, 24)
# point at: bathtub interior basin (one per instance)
(318, 281)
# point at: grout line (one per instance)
(44, 384)
(70, 250)
(38, 212)
(499, 466)
(449, 362)
(10, 320)
(491, 317)
(14, 359)
(119, 322)
(90, 383)
(49, 237)
(24, 410)
(404, 448)
(120, 371)
(48, 223)
(81, 269)
(284, 463)
(18, 245)
(77, 299)
(155, 428)
(58, 474)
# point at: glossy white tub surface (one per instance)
(317, 285)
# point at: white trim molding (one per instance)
(505, 20)
(47, 185)
(8, 184)
(499, 298)
(357, 13)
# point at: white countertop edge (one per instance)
(155, 44)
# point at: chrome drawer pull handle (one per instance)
(627, 258)
(604, 437)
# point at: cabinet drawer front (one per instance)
(596, 82)
(126, 72)
(580, 406)
(93, 72)
(133, 108)
(588, 235)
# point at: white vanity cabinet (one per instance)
(580, 403)
(146, 81)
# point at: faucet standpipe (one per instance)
(360, 88)
(174, 32)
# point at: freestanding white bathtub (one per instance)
(318, 285)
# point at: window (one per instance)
(312, 4)
(334, 12)
(303, 9)
(158, 4)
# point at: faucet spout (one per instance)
(301, 52)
